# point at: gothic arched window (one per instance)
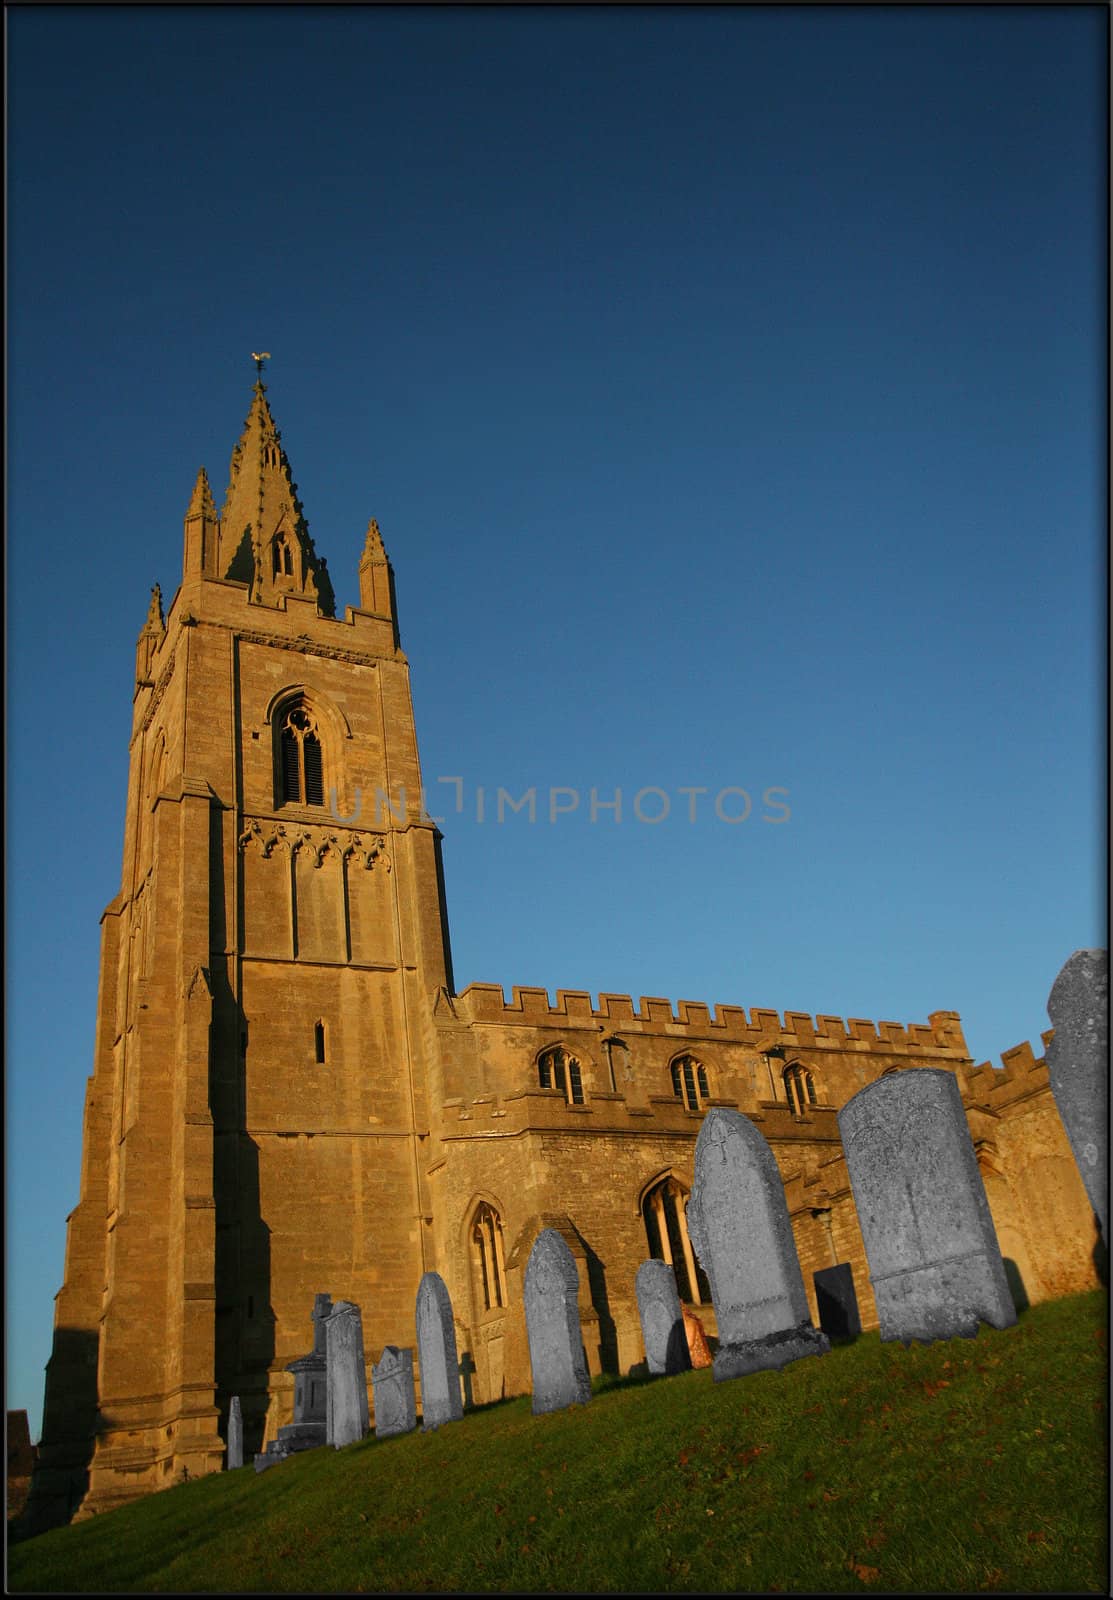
(665, 1214)
(283, 558)
(303, 780)
(799, 1089)
(689, 1082)
(556, 1069)
(488, 1263)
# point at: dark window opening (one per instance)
(559, 1070)
(303, 779)
(799, 1089)
(689, 1082)
(319, 1041)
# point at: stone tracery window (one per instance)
(488, 1261)
(689, 1082)
(665, 1214)
(283, 558)
(799, 1089)
(556, 1069)
(303, 781)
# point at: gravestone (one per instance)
(235, 1435)
(935, 1264)
(739, 1226)
(1078, 1066)
(392, 1382)
(666, 1346)
(837, 1302)
(436, 1354)
(556, 1346)
(346, 1414)
(308, 1429)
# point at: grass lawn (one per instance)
(970, 1465)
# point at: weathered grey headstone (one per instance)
(739, 1225)
(556, 1345)
(1078, 1066)
(308, 1428)
(234, 1454)
(837, 1302)
(436, 1354)
(346, 1418)
(392, 1381)
(935, 1264)
(666, 1344)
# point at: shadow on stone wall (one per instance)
(597, 1285)
(244, 1338)
(70, 1413)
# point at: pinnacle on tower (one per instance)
(376, 578)
(151, 636)
(201, 503)
(202, 531)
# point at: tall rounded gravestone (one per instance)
(935, 1264)
(556, 1347)
(738, 1223)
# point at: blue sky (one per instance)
(729, 386)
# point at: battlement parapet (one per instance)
(1020, 1074)
(763, 1029)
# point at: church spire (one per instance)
(264, 537)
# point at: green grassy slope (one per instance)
(963, 1466)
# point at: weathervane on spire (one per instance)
(259, 356)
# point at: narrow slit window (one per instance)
(319, 1041)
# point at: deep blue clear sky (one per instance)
(729, 386)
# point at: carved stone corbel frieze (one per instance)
(366, 853)
(265, 841)
(365, 850)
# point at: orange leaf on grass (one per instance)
(867, 1574)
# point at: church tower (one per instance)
(257, 1121)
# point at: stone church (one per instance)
(290, 1097)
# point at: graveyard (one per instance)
(960, 1448)
(964, 1465)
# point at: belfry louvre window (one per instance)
(303, 780)
(559, 1070)
(799, 1089)
(689, 1082)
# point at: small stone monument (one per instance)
(234, 1453)
(436, 1354)
(346, 1414)
(1078, 1066)
(739, 1226)
(666, 1346)
(556, 1346)
(310, 1399)
(392, 1381)
(935, 1264)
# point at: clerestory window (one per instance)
(689, 1082)
(799, 1089)
(559, 1070)
(303, 780)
